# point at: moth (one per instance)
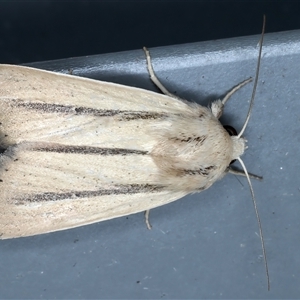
(75, 151)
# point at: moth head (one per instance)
(238, 143)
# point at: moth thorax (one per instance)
(238, 146)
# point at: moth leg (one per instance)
(242, 173)
(218, 105)
(154, 78)
(147, 212)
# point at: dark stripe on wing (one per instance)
(86, 150)
(125, 115)
(114, 190)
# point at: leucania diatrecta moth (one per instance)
(75, 151)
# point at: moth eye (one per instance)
(231, 131)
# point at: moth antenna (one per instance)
(242, 163)
(255, 80)
(241, 84)
(258, 221)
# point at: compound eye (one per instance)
(231, 131)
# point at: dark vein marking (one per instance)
(115, 190)
(202, 171)
(87, 150)
(125, 115)
(200, 189)
(199, 139)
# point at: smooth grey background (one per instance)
(204, 245)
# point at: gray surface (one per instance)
(204, 245)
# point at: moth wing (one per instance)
(44, 192)
(38, 105)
